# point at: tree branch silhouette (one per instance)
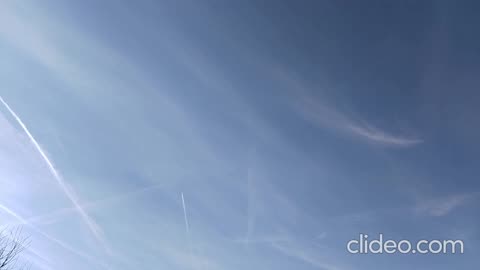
(12, 243)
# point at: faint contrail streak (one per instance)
(185, 215)
(90, 223)
(52, 216)
(188, 230)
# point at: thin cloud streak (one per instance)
(324, 116)
(379, 136)
(94, 228)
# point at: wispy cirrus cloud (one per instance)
(324, 115)
(316, 107)
(379, 136)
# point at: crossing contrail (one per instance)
(94, 228)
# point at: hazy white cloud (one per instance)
(110, 77)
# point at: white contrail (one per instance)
(187, 228)
(90, 223)
(185, 215)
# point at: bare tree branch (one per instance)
(11, 244)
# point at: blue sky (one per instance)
(290, 127)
